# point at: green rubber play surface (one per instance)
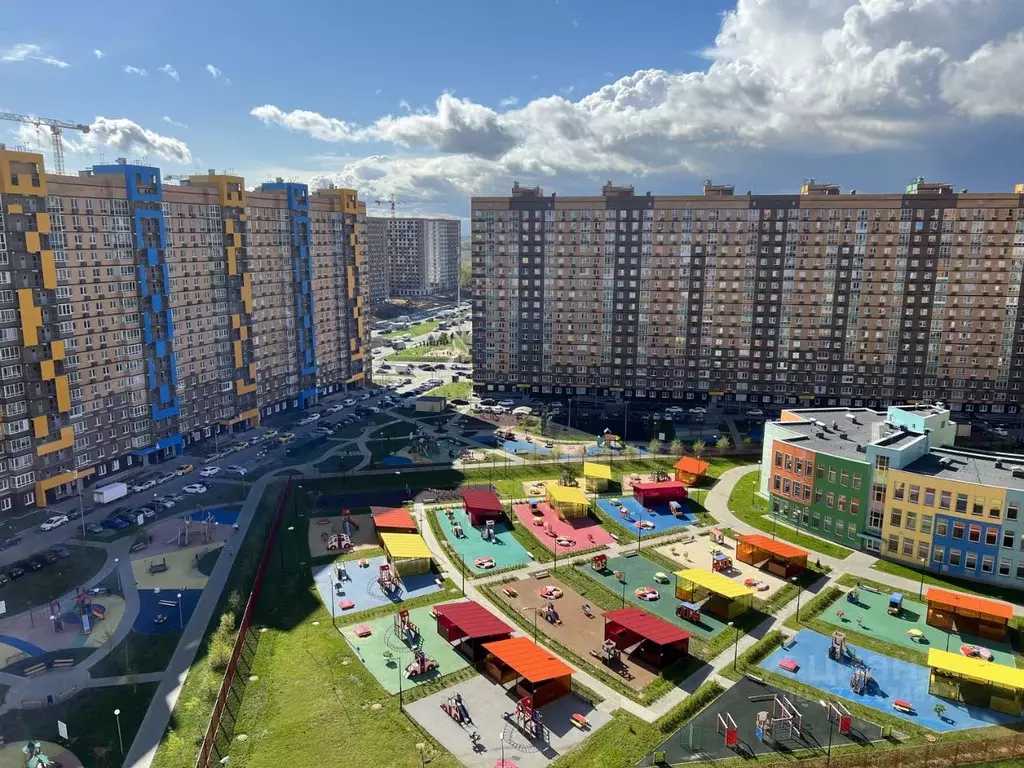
(870, 616)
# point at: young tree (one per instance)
(654, 447)
(699, 447)
(723, 444)
(940, 711)
(556, 452)
(676, 447)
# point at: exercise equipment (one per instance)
(528, 719)
(726, 727)
(783, 722)
(420, 665)
(406, 630)
(455, 708)
(901, 705)
(840, 717)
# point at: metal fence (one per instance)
(244, 640)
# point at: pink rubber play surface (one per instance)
(571, 535)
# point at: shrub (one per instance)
(672, 720)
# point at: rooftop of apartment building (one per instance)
(993, 471)
(842, 432)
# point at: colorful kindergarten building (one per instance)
(889, 484)
(137, 316)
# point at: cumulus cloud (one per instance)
(810, 77)
(135, 70)
(170, 71)
(111, 133)
(216, 74)
(98, 53)
(30, 52)
(508, 101)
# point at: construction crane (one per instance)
(57, 128)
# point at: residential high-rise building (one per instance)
(141, 316)
(890, 483)
(816, 298)
(412, 257)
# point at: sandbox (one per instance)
(698, 554)
(320, 529)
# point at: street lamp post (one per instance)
(120, 740)
(398, 658)
(799, 592)
(502, 737)
(334, 599)
(756, 485)
(181, 615)
(290, 528)
(117, 569)
(623, 594)
(920, 589)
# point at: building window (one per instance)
(818, 495)
(938, 554)
(786, 485)
(1009, 539)
(926, 523)
(908, 547)
(1020, 570)
(896, 518)
(994, 510)
(789, 463)
(851, 532)
(854, 506)
(961, 503)
(778, 458)
(987, 563)
(807, 492)
(841, 505)
(797, 490)
(875, 519)
(922, 551)
(954, 558)
(832, 474)
(830, 500)
(881, 463)
(929, 497)
(809, 468)
(958, 531)
(819, 471)
(991, 536)
(1004, 566)
(898, 489)
(1012, 509)
(945, 499)
(977, 509)
(893, 544)
(828, 523)
(777, 482)
(856, 481)
(844, 478)
(911, 524)
(973, 533)
(798, 467)
(816, 520)
(971, 561)
(915, 494)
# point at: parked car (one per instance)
(271, 434)
(348, 402)
(195, 488)
(234, 469)
(240, 446)
(184, 469)
(4, 579)
(60, 551)
(148, 513)
(209, 471)
(29, 564)
(53, 522)
(46, 557)
(10, 541)
(755, 413)
(143, 485)
(698, 411)
(94, 528)
(336, 408)
(15, 572)
(286, 437)
(164, 501)
(115, 523)
(166, 478)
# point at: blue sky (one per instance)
(440, 101)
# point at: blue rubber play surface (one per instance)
(662, 518)
(24, 645)
(395, 461)
(220, 516)
(891, 679)
(521, 446)
(150, 608)
(361, 586)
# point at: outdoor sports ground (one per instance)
(505, 551)
(659, 517)
(702, 739)
(892, 678)
(640, 572)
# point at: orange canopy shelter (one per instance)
(690, 470)
(955, 611)
(776, 557)
(532, 669)
(396, 520)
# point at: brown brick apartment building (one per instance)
(818, 298)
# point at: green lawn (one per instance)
(138, 654)
(959, 585)
(425, 353)
(752, 509)
(394, 429)
(51, 581)
(453, 389)
(414, 330)
(91, 723)
(339, 462)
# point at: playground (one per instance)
(480, 555)
(425, 449)
(485, 702)
(172, 570)
(387, 654)
(702, 552)
(360, 590)
(35, 633)
(869, 615)
(158, 610)
(571, 536)
(326, 534)
(888, 679)
(795, 723)
(630, 513)
(163, 536)
(569, 624)
(638, 573)
(13, 756)
(520, 447)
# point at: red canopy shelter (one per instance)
(482, 505)
(472, 624)
(639, 633)
(649, 494)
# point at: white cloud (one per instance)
(802, 76)
(216, 74)
(170, 121)
(170, 71)
(508, 101)
(135, 71)
(405, 105)
(130, 138)
(98, 53)
(377, 91)
(30, 52)
(575, 23)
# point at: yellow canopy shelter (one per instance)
(976, 681)
(726, 599)
(407, 552)
(569, 502)
(596, 476)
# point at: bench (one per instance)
(62, 663)
(158, 567)
(168, 603)
(35, 669)
(542, 574)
